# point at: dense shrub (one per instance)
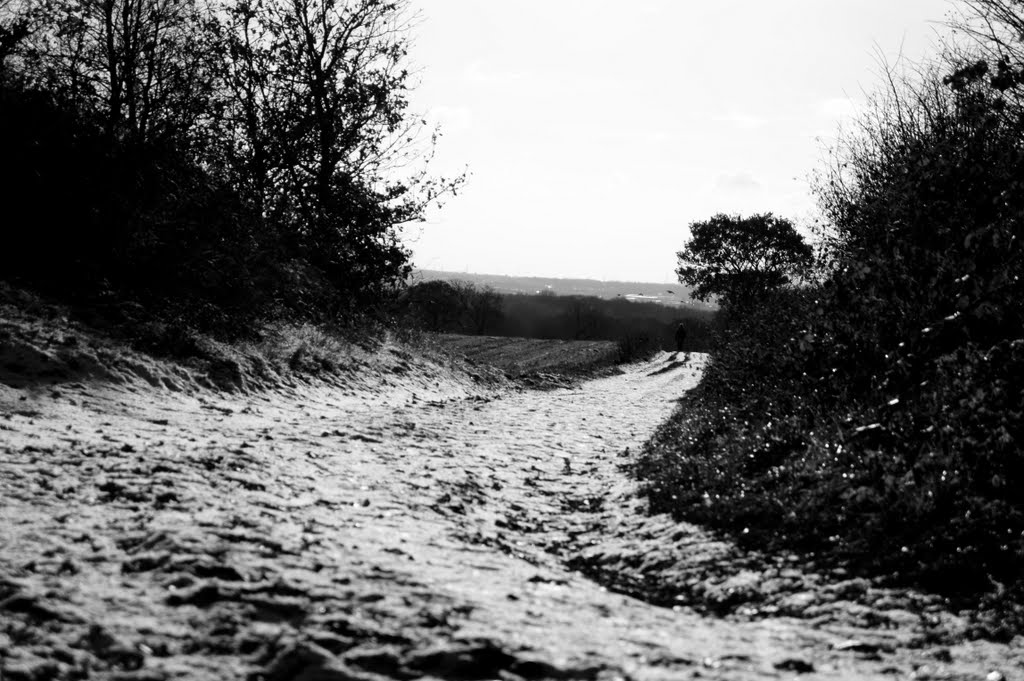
(876, 417)
(90, 222)
(204, 162)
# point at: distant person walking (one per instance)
(680, 337)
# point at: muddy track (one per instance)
(412, 530)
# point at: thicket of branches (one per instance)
(210, 158)
(876, 418)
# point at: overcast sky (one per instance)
(596, 130)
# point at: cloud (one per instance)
(617, 180)
(650, 9)
(737, 182)
(478, 74)
(743, 121)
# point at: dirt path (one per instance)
(417, 530)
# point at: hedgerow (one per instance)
(876, 417)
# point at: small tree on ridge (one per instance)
(741, 259)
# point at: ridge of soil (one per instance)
(43, 344)
(402, 518)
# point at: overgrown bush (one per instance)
(876, 418)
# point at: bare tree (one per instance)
(319, 91)
(145, 66)
(995, 47)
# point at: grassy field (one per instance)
(519, 357)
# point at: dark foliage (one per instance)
(91, 222)
(876, 419)
(741, 259)
(453, 306)
(191, 162)
(639, 328)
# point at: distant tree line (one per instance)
(460, 307)
(873, 415)
(210, 158)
